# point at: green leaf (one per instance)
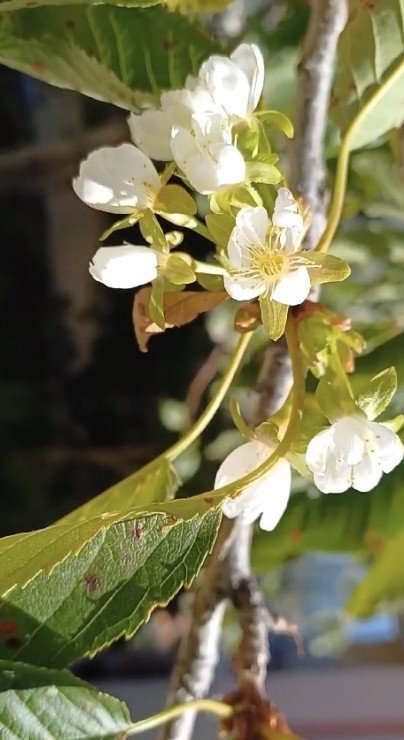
(326, 268)
(384, 581)
(277, 119)
(156, 302)
(258, 171)
(178, 271)
(105, 52)
(377, 394)
(351, 522)
(174, 199)
(82, 585)
(273, 315)
(370, 50)
(334, 397)
(38, 703)
(220, 226)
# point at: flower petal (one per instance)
(292, 288)
(249, 59)
(317, 450)
(336, 478)
(253, 223)
(126, 266)
(117, 179)
(227, 84)
(151, 131)
(349, 436)
(278, 482)
(387, 445)
(243, 289)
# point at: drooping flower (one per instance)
(126, 266)
(266, 497)
(119, 179)
(353, 452)
(206, 155)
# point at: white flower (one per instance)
(206, 155)
(229, 87)
(235, 84)
(117, 179)
(126, 266)
(266, 497)
(353, 452)
(265, 257)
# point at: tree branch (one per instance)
(230, 576)
(314, 79)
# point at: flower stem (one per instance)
(207, 415)
(298, 393)
(341, 175)
(207, 268)
(220, 709)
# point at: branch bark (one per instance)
(228, 574)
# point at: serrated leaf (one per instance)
(179, 309)
(65, 607)
(105, 52)
(273, 315)
(38, 703)
(379, 391)
(370, 50)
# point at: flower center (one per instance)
(268, 263)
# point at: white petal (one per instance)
(336, 478)
(249, 59)
(317, 450)
(287, 218)
(243, 289)
(227, 84)
(151, 131)
(180, 105)
(117, 179)
(126, 266)
(230, 165)
(388, 446)
(366, 474)
(349, 439)
(253, 225)
(293, 288)
(267, 496)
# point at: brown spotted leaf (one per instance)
(179, 309)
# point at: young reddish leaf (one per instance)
(179, 309)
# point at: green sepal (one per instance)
(152, 231)
(273, 315)
(247, 137)
(178, 270)
(156, 302)
(395, 425)
(267, 432)
(175, 199)
(277, 119)
(334, 397)
(263, 172)
(379, 391)
(312, 422)
(325, 268)
(212, 283)
(123, 223)
(174, 238)
(237, 196)
(238, 421)
(220, 226)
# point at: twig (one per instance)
(201, 381)
(314, 78)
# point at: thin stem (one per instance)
(193, 433)
(207, 268)
(298, 393)
(210, 706)
(341, 175)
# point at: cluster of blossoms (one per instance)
(198, 131)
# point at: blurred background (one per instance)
(81, 406)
